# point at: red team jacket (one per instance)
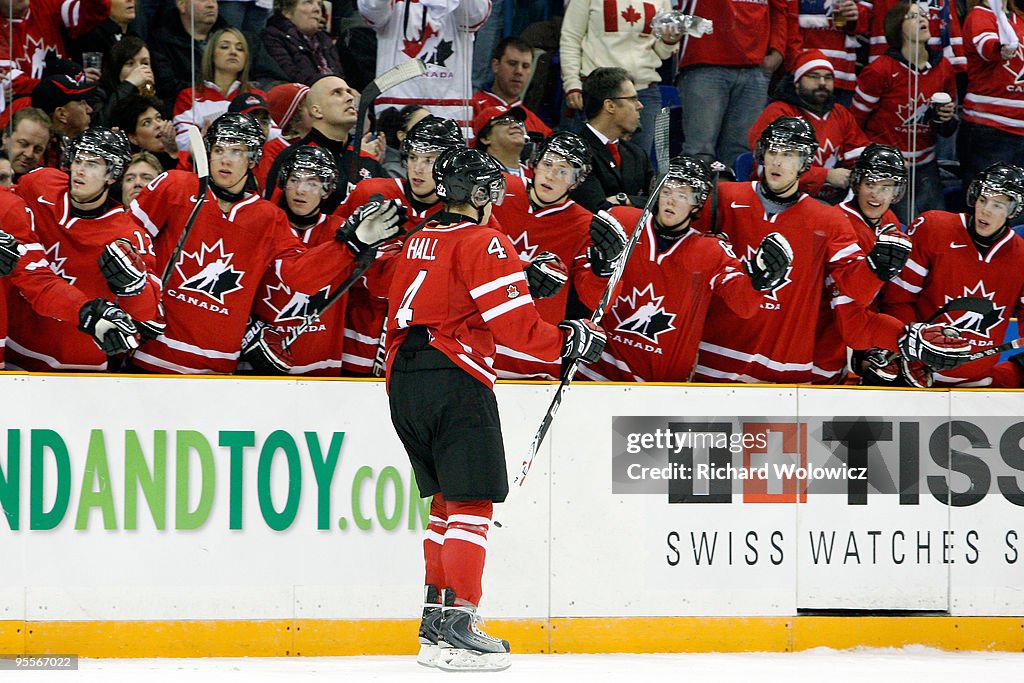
(744, 32)
(995, 92)
(777, 344)
(215, 281)
(811, 28)
(465, 283)
(72, 247)
(655, 322)
(943, 25)
(944, 265)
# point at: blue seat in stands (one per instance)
(743, 167)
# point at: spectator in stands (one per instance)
(992, 128)
(829, 26)
(808, 93)
(128, 71)
(66, 101)
(185, 29)
(501, 132)
(593, 37)
(27, 139)
(249, 16)
(289, 110)
(142, 170)
(893, 104)
(224, 75)
(723, 77)
(622, 171)
(294, 37)
(943, 27)
(511, 64)
(407, 117)
(109, 32)
(140, 119)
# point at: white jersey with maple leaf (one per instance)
(407, 29)
(995, 87)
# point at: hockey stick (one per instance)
(202, 167)
(397, 75)
(662, 151)
(995, 350)
(570, 371)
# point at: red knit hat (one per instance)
(284, 100)
(811, 60)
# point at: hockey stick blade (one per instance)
(201, 165)
(995, 350)
(570, 373)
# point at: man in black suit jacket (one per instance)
(621, 172)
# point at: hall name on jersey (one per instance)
(421, 248)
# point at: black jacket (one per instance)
(296, 53)
(633, 177)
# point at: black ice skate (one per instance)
(429, 624)
(463, 646)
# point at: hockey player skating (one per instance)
(458, 289)
(967, 254)
(86, 239)
(655, 322)
(206, 320)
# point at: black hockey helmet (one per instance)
(570, 147)
(788, 133)
(468, 176)
(237, 128)
(311, 160)
(110, 145)
(693, 172)
(999, 178)
(880, 162)
(432, 134)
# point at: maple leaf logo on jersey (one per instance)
(512, 291)
(526, 250)
(209, 271)
(774, 293)
(431, 48)
(35, 53)
(828, 155)
(972, 321)
(641, 313)
(911, 115)
(288, 305)
(57, 263)
(1014, 64)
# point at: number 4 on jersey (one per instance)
(496, 248)
(403, 316)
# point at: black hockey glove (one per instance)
(938, 346)
(111, 328)
(262, 348)
(877, 369)
(584, 340)
(372, 224)
(11, 250)
(771, 262)
(546, 275)
(608, 242)
(890, 253)
(123, 268)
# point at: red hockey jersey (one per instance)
(943, 25)
(995, 88)
(886, 110)
(744, 32)
(777, 344)
(215, 281)
(564, 230)
(465, 283)
(655, 322)
(945, 265)
(72, 247)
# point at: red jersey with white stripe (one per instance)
(364, 316)
(943, 25)
(843, 322)
(744, 32)
(811, 28)
(483, 99)
(318, 350)
(777, 344)
(465, 283)
(840, 139)
(563, 229)
(72, 247)
(885, 109)
(944, 265)
(215, 281)
(995, 88)
(655, 321)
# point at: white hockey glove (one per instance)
(609, 241)
(937, 346)
(371, 224)
(584, 340)
(890, 253)
(546, 275)
(262, 348)
(771, 262)
(123, 268)
(11, 250)
(111, 328)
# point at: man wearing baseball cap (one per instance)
(809, 94)
(66, 100)
(287, 104)
(500, 131)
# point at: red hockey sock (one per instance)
(465, 547)
(433, 543)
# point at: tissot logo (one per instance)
(641, 313)
(288, 305)
(977, 323)
(209, 271)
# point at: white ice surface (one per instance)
(907, 665)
